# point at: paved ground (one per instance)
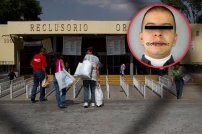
(115, 117)
(119, 115)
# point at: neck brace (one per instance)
(158, 62)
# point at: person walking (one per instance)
(178, 78)
(95, 78)
(12, 75)
(60, 95)
(122, 69)
(39, 65)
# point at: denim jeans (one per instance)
(179, 87)
(60, 98)
(87, 84)
(38, 78)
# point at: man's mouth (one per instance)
(157, 44)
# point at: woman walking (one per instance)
(60, 95)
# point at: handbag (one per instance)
(98, 96)
(63, 78)
(84, 70)
(45, 83)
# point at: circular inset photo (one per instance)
(159, 36)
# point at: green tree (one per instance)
(199, 19)
(192, 9)
(19, 10)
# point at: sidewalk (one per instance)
(115, 117)
(119, 115)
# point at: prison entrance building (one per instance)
(19, 41)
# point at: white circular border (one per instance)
(182, 30)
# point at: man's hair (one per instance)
(159, 8)
(43, 50)
(91, 49)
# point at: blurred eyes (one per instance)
(158, 27)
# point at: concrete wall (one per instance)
(6, 47)
(194, 55)
(8, 52)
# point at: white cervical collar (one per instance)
(158, 62)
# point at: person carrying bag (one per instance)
(62, 80)
(91, 82)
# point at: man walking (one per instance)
(178, 77)
(95, 77)
(39, 65)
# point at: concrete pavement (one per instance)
(119, 115)
(115, 117)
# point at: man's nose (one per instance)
(157, 33)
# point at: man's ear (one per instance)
(175, 39)
(141, 38)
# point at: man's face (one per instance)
(158, 42)
(89, 52)
(44, 53)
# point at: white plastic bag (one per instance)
(98, 95)
(84, 70)
(79, 67)
(63, 78)
(187, 78)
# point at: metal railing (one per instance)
(148, 82)
(4, 80)
(168, 84)
(140, 87)
(17, 88)
(155, 86)
(4, 88)
(50, 88)
(107, 87)
(77, 86)
(17, 79)
(125, 86)
(29, 80)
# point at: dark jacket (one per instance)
(168, 62)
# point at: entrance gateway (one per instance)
(92, 33)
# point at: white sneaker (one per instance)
(85, 105)
(92, 104)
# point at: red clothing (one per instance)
(38, 61)
(57, 65)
